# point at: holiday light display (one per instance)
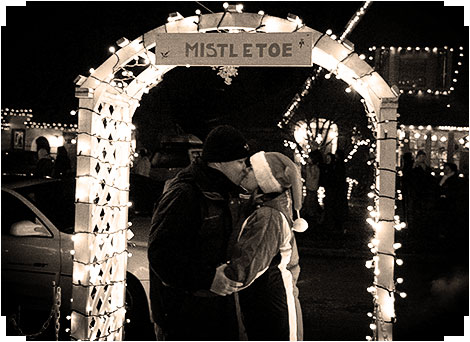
(29, 123)
(7, 114)
(308, 137)
(417, 85)
(441, 143)
(108, 99)
(354, 20)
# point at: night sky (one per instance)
(46, 45)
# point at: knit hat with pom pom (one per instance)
(275, 172)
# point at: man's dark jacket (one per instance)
(189, 235)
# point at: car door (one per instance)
(30, 261)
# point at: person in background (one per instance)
(424, 190)
(453, 192)
(342, 192)
(142, 166)
(189, 237)
(406, 180)
(265, 257)
(329, 180)
(311, 207)
(45, 164)
(62, 167)
(421, 162)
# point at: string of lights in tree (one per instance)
(354, 20)
(295, 102)
(298, 97)
(351, 183)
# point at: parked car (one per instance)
(37, 223)
(175, 153)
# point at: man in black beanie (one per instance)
(189, 235)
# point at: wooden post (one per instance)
(100, 237)
(385, 231)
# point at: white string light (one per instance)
(420, 51)
(354, 20)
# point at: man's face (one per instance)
(421, 158)
(235, 170)
(249, 183)
(447, 170)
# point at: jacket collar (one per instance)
(279, 201)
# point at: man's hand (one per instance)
(222, 285)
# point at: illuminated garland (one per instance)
(95, 279)
(356, 146)
(56, 126)
(29, 124)
(435, 50)
(354, 20)
(374, 220)
(351, 183)
(421, 134)
(295, 102)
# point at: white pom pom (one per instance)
(300, 225)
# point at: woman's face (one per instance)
(249, 183)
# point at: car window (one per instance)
(13, 210)
(55, 200)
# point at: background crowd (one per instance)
(434, 208)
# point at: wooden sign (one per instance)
(240, 49)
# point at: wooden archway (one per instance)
(108, 99)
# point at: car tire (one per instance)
(139, 327)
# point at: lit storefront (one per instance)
(441, 144)
(19, 132)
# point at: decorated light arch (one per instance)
(108, 98)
